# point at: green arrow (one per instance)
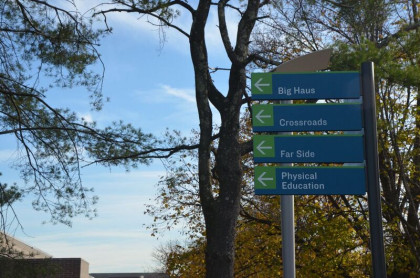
(261, 148)
(265, 177)
(260, 117)
(262, 178)
(258, 84)
(261, 83)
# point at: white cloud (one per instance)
(168, 106)
(123, 179)
(90, 235)
(139, 174)
(116, 241)
(212, 30)
(166, 94)
(87, 117)
(105, 251)
(185, 94)
(8, 155)
(145, 27)
(213, 38)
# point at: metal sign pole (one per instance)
(288, 235)
(374, 191)
(311, 62)
(287, 209)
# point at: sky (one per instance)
(152, 87)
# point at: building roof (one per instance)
(22, 248)
(129, 275)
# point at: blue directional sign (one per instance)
(308, 148)
(309, 180)
(318, 85)
(306, 117)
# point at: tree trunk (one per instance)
(220, 225)
(220, 209)
(413, 211)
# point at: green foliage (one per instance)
(40, 39)
(331, 236)
(172, 206)
(397, 76)
(326, 236)
(8, 195)
(327, 244)
(182, 261)
(47, 44)
(332, 232)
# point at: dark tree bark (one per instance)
(309, 26)
(220, 207)
(221, 212)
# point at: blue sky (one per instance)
(151, 87)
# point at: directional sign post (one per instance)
(262, 84)
(306, 117)
(309, 180)
(308, 148)
(317, 85)
(374, 190)
(319, 148)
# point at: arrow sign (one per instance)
(264, 146)
(309, 180)
(314, 85)
(308, 148)
(265, 177)
(258, 85)
(261, 148)
(307, 117)
(260, 116)
(261, 83)
(262, 178)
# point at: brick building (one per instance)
(19, 260)
(44, 268)
(129, 275)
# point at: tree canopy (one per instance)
(60, 44)
(358, 31)
(46, 47)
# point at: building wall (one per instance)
(20, 249)
(44, 268)
(129, 275)
(84, 269)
